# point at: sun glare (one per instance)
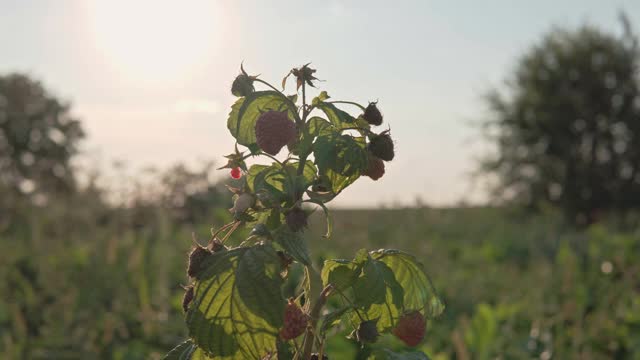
(154, 39)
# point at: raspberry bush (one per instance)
(234, 304)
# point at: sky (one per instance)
(150, 79)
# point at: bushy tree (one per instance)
(38, 137)
(567, 128)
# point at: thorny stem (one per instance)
(301, 127)
(272, 158)
(315, 314)
(304, 102)
(215, 234)
(226, 236)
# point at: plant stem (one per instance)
(293, 106)
(348, 102)
(302, 127)
(304, 103)
(314, 281)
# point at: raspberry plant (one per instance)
(234, 303)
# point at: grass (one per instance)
(74, 285)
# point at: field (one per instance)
(82, 281)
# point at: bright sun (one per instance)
(154, 39)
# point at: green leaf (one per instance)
(339, 118)
(285, 350)
(333, 318)
(340, 273)
(385, 284)
(245, 112)
(272, 218)
(372, 285)
(340, 159)
(293, 244)
(318, 126)
(309, 173)
(269, 183)
(238, 307)
(320, 98)
(409, 273)
(186, 351)
(302, 182)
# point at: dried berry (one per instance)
(196, 258)
(411, 328)
(295, 321)
(236, 173)
(382, 146)
(242, 85)
(188, 297)
(274, 130)
(316, 356)
(372, 115)
(296, 219)
(367, 331)
(375, 170)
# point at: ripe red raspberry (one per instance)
(376, 168)
(411, 328)
(274, 130)
(295, 321)
(382, 146)
(188, 297)
(372, 115)
(296, 219)
(236, 173)
(196, 258)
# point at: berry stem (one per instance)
(291, 104)
(348, 102)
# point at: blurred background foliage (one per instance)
(566, 126)
(91, 263)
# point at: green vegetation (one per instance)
(78, 281)
(566, 128)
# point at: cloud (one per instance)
(196, 106)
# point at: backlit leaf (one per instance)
(238, 307)
(245, 112)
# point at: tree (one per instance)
(567, 130)
(38, 138)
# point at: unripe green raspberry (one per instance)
(242, 203)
